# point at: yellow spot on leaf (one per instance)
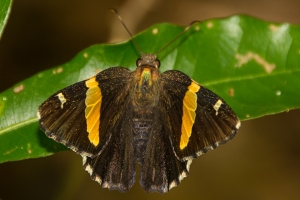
(209, 25)
(243, 59)
(188, 114)
(19, 88)
(197, 28)
(273, 27)
(92, 111)
(231, 92)
(154, 31)
(58, 70)
(29, 150)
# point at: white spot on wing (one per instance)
(217, 106)
(38, 114)
(199, 153)
(238, 125)
(105, 185)
(173, 184)
(83, 160)
(182, 176)
(62, 99)
(89, 169)
(98, 179)
(188, 164)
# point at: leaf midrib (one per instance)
(17, 125)
(247, 77)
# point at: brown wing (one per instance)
(199, 120)
(65, 117)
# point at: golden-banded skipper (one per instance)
(119, 118)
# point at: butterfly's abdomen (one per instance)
(141, 131)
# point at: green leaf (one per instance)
(5, 6)
(252, 64)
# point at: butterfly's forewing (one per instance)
(215, 124)
(64, 116)
(214, 121)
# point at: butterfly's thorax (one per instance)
(145, 98)
(145, 89)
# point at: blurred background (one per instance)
(262, 162)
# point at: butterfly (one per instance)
(120, 118)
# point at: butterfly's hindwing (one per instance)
(114, 167)
(161, 170)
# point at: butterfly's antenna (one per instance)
(186, 29)
(121, 20)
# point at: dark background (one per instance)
(262, 162)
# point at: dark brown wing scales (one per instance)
(161, 170)
(213, 121)
(63, 116)
(115, 168)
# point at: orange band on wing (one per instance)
(188, 113)
(92, 111)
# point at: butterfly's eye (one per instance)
(138, 62)
(157, 63)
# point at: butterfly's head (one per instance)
(149, 60)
